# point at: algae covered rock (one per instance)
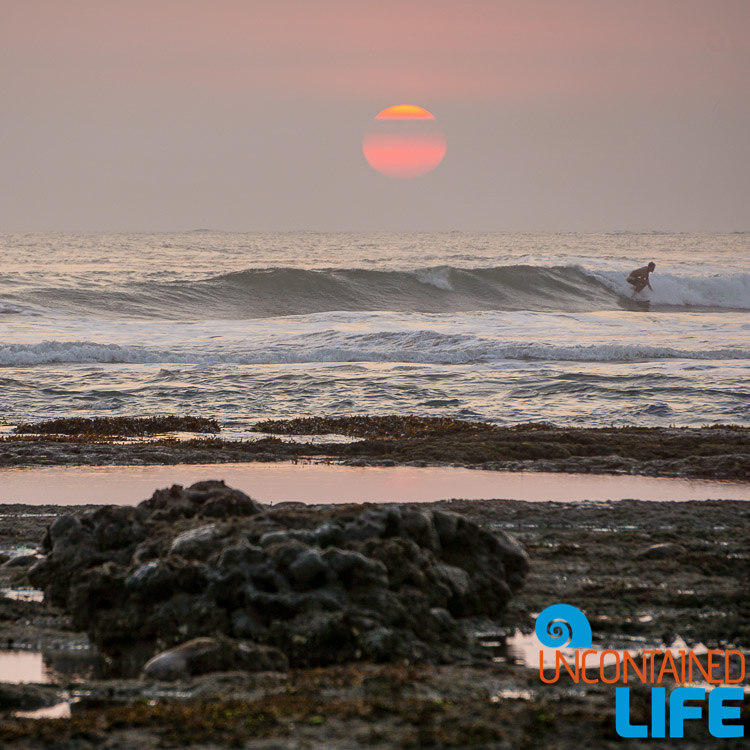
(321, 585)
(210, 499)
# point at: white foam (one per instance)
(437, 277)
(730, 291)
(52, 352)
(427, 347)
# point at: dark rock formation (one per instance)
(26, 697)
(323, 585)
(21, 561)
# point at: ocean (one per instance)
(507, 328)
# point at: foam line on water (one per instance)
(426, 347)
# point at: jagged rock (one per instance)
(323, 585)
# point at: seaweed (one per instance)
(711, 451)
(386, 426)
(119, 426)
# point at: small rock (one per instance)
(661, 551)
(65, 526)
(309, 568)
(457, 578)
(204, 655)
(241, 556)
(21, 561)
(198, 656)
(196, 544)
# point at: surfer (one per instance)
(639, 278)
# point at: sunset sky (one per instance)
(249, 115)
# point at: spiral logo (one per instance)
(563, 626)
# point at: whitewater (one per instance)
(502, 327)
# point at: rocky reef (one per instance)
(92, 427)
(719, 451)
(262, 586)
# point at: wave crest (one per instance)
(420, 347)
(274, 292)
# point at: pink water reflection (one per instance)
(321, 483)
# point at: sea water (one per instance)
(507, 328)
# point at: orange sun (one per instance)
(404, 142)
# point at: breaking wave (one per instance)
(272, 292)
(427, 347)
(715, 292)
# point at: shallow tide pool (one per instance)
(323, 483)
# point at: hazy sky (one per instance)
(249, 115)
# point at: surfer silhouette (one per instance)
(639, 278)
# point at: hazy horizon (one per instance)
(583, 116)
(414, 231)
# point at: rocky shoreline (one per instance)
(646, 573)
(712, 452)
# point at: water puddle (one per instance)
(48, 667)
(86, 698)
(23, 595)
(523, 649)
(23, 666)
(325, 483)
(58, 711)
(512, 694)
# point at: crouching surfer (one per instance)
(638, 279)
